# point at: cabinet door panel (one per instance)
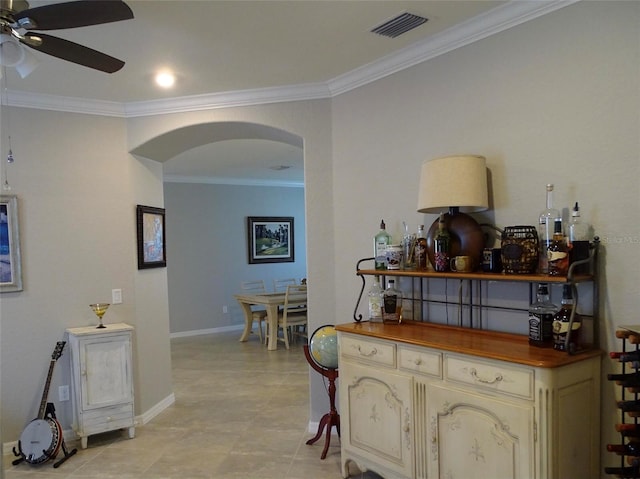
(106, 375)
(479, 437)
(377, 409)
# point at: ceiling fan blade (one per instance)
(73, 14)
(72, 52)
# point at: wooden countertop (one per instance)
(488, 344)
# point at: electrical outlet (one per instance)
(63, 393)
(116, 296)
(225, 310)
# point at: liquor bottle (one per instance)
(624, 357)
(578, 241)
(421, 249)
(441, 247)
(380, 243)
(375, 300)
(625, 472)
(541, 315)
(561, 322)
(545, 230)
(558, 252)
(629, 449)
(391, 304)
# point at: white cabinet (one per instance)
(430, 401)
(102, 379)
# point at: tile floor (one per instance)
(241, 412)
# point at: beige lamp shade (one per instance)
(453, 181)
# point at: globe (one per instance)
(323, 347)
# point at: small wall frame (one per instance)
(10, 260)
(152, 247)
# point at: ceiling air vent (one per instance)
(399, 25)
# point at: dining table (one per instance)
(272, 302)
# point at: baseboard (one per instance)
(199, 332)
(69, 435)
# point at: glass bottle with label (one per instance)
(578, 241)
(558, 252)
(546, 224)
(380, 243)
(561, 322)
(421, 249)
(441, 247)
(392, 304)
(541, 314)
(375, 300)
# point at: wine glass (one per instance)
(100, 309)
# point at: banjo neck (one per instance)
(57, 352)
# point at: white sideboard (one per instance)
(421, 401)
(102, 379)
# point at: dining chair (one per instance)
(280, 285)
(258, 313)
(293, 314)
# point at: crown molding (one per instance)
(494, 21)
(211, 180)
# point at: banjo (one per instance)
(42, 438)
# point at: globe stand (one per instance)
(332, 418)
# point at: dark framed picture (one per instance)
(10, 261)
(152, 246)
(270, 239)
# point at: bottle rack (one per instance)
(629, 425)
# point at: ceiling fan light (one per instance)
(28, 64)
(11, 52)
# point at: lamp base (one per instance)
(466, 237)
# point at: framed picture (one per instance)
(10, 262)
(152, 246)
(270, 239)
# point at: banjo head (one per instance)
(40, 441)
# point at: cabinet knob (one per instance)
(417, 361)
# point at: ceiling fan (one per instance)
(17, 21)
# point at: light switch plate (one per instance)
(116, 296)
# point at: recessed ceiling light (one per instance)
(165, 79)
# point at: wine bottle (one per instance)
(392, 304)
(628, 380)
(545, 230)
(380, 243)
(632, 405)
(441, 247)
(375, 300)
(626, 356)
(578, 241)
(421, 249)
(625, 472)
(541, 314)
(558, 252)
(628, 429)
(561, 322)
(629, 449)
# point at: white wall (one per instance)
(77, 189)
(207, 248)
(554, 100)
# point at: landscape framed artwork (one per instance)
(270, 239)
(10, 261)
(152, 247)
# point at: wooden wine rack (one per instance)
(629, 465)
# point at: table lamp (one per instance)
(456, 184)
